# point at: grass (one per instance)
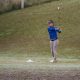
(23, 33)
(23, 36)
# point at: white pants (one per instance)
(53, 46)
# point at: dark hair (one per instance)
(50, 21)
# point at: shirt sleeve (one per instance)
(50, 29)
(58, 30)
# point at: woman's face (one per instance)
(51, 24)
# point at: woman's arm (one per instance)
(58, 30)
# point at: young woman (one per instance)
(53, 35)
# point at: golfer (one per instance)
(53, 34)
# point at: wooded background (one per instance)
(8, 5)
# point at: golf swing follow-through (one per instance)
(53, 35)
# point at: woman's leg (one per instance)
(51, 46)
(55, 44)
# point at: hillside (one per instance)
(24, 32)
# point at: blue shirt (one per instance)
(53, 32)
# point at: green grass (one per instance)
(23, 33)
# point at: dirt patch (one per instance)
(39, 75)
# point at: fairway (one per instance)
(24, 43)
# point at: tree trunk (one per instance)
(22, 4)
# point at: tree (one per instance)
(22, 4)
